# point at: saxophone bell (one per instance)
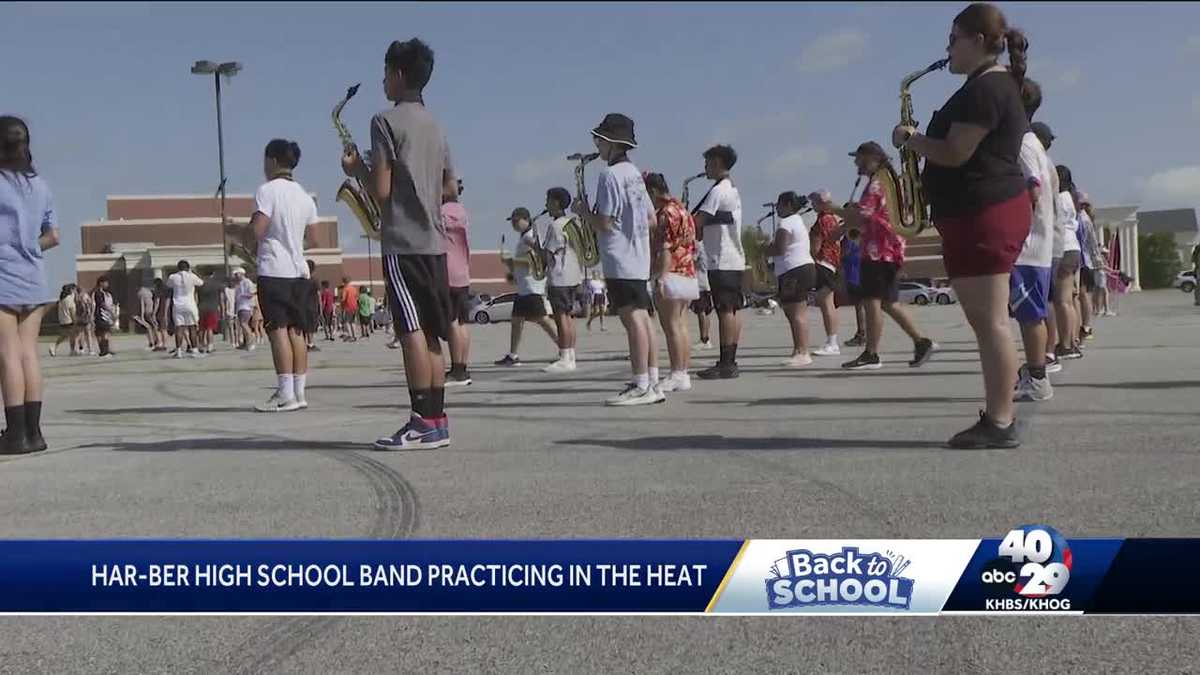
(353, 192)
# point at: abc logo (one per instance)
(998, 572)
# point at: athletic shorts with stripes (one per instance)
(419, 293)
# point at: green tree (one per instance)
(1158, 260)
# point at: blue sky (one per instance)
(114, 110)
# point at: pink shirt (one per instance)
(458, 252)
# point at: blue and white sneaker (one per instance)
(418, 434)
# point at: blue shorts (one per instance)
(1029, 293)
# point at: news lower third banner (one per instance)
(1031, 569)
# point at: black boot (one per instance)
(33, 425)
(13, 441)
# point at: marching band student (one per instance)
(703, 306)
(825, 240)
(411, 170)
(1066, 276)
(85, 306)
(851, 273)
(28, 227)
(1093, 265)
(882, 256)
(66, 320)
(980, 199)
(1029, 287)
(245, 300)
(673, 246)
(458, 272)
(598, 306)
(621, 218)
(282, 212)
(1046, 138)
(796, 272)
(183, 283)
(565, 273)
(719, 218)
(530, 304)
(106, 315)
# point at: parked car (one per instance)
(1186, 281)
(920, 294)
(496, 309)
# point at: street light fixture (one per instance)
(227, 69)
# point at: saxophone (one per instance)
(534, 259)
(582, 239)
(353, 193)
(909, 194)
(684, 196)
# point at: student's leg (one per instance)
(548, 326)
(460, 344)
(514, 335)
(795, 314)
(12, 379)
(639, 340)
(829, 316)
(860, 319)
(1063, 311)
(666, 318)
(702, 319)
(903, 319)
(677, 310)
(873, 318)
(984, 301)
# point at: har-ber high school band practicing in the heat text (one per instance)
(1013, 242)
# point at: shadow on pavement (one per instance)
(1178, 384)
(714, 442)
(217, 443)
(825, 400)
(164, 410)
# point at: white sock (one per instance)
(653, 375)
(564, 355)
(571, 355)
(832, 341)
(286, 390)
(298, 382)
(679, 375)
(642, 380)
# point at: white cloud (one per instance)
(744, 127)
(796, 160)
(1177, 187)
(533, 171)
(833, 51)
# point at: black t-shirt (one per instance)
(992, 175)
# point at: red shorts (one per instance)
(987, 241)
(210, 321)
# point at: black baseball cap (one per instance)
(519, 213)
(1042, 131)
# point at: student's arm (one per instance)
(49, 236)
(603, 217)
(783, 239)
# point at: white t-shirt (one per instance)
(624, 249)
(797, 252)
(290, 210)
(723, 240)
(596, 286)
(1066, 223)
(183, 287)
(522, 276)
(566, 270)
(230, 299)
(1035, 164)
(245, 295)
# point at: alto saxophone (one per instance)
(582, 239)
(910, 197)
(353, 193)
(684, 196)
(534, 259)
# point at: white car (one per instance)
(920, 294)
(496, 309)
(1186, 281)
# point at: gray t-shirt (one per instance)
(625, 249)
(412, 141)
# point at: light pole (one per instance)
(228, 69)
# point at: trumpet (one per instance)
(582, 239)
(684, 196)
(353, 192)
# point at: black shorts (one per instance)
(826, 278)
(418, 291)
(878, 280)
(103, 326)
(726, 288)
(284, 302)
(459, 296)
(795, 284)
(529, 307)
(312, 308)
(1087, 278)
(704, 304)
(624, 293)
(562, 298)
(854, 293)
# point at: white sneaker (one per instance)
(636, 396)
(560, 366)
(676, 383)
(52, 351)
(301, 403)
(178, 354)
(197, 355)
(1031, 389)
(797, 361)
(277, 404)
(706, 344)
(828, 350)
(252, 347)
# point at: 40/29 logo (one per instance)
(1033, 560)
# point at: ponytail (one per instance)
(1017, 45)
